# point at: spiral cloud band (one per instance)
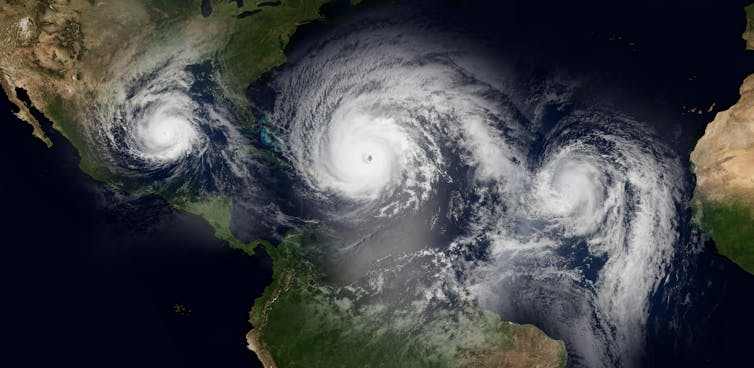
(165, 134)
(567, 221)
(366, 152)
(446, 179)
(156, 124)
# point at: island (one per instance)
(64, 53)
(61, 57)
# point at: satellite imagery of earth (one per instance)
(377, 183)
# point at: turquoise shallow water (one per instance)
(91, 277)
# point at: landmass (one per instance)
(57, 56)
(748, 34)
(61, 52)
(216, 211)
(723, 162)
(303, 320)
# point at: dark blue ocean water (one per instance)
(651, 58)
(90, 276)
(654, 60)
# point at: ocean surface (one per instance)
(91, 276)
(673, 64)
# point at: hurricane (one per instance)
(162, 131)
(369, 152)
(535, 202)
(442, 175)
(160, 120)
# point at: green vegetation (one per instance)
(253, 46)
(731, 225)
(303, 321)
(748, 34)
(62, 119)
(749, 9)
(256, 43)
(216, 210)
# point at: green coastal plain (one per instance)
(723, 206)
(731, 225)
(301, 320)
(252, 46)
(240, 49)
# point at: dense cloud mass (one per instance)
(155, 122)
(444, 176)
(567, 219)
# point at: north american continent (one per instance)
(153, 95)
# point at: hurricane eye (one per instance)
(339, 156)
(155, 129)
(163, 137)
(407, 154)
